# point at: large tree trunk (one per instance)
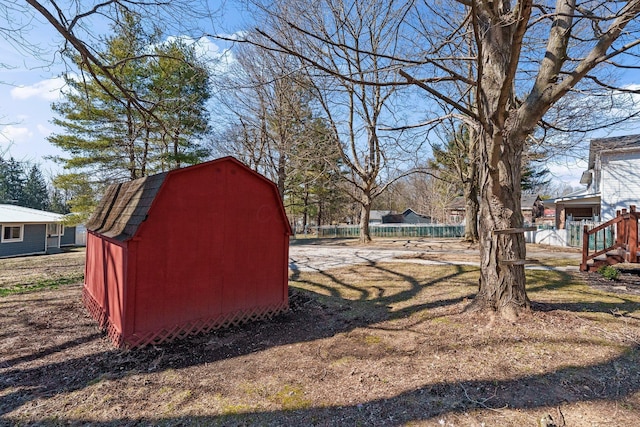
(502, 244)
(501, 141)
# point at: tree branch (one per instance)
(438, 95)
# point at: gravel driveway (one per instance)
(320, 257)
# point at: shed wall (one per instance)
(33, 241)
(104, 279)
(214, 246)
(413, 218)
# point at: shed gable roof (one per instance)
(408, 211)
(125, 206)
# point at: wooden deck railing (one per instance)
(626, 237)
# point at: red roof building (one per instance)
(186, 251)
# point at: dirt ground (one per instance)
(380, 343)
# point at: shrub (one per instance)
(609, 272)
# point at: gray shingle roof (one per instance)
(611, 143)
(124, 207)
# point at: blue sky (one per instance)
(29, 85)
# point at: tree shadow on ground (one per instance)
(312, 319)
(612, 380)
(308, 320)
(586, 299)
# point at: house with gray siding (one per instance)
(612, 180)
(26, 231)
(412, 217)
(375, 216)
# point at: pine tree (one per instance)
(12, 182)
(35, 194)
(57, 202)
(180, 87)
(102, 130)
(108, 138)
(3, 180)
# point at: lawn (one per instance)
(380, 344)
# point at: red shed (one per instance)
(186, 251)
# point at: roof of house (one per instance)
(125, 206)
(19, 214)
(611, 143)
(377, 215)
(409, 210)
(580, 195)
(528, 200)
(458, 203)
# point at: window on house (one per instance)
(55, 229)
(12, 233)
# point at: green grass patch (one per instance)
(41, 285)
(236, 409)
(291, 398)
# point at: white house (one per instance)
(613, 181)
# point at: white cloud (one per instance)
(16, 134)
(45, 131)
(568, 171)
(48, 90)
(217, 58)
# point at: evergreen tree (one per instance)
(12, 182)
(80, 195)
(108, 138)
(535, 177)
(35, 194)
(57, 202)
(180, 86)
(3, 181)
(102, 129)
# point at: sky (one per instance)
(28, 86)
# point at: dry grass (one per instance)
(382, 344)
(25, 271)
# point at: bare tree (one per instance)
(355, 110)
(268, 111)
(579, 38)
(457, 163)
(526, 59)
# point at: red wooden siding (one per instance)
(212, 252)
(105, 280)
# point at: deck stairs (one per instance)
(613, 242)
